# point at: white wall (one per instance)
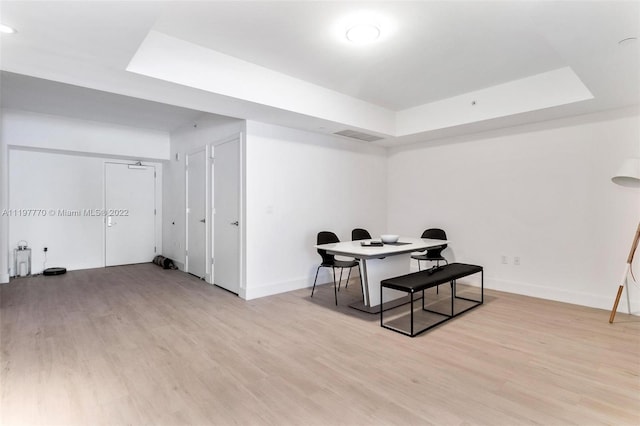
(297, 184)
(51, 183)
(56, 162)
(540, 192)
(206, 130)
(46, 181)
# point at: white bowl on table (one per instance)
(389, 238)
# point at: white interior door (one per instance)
(196, 213)
(130, 214)
(226, 209)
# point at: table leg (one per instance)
(365, 282)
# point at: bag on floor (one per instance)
(165, 262)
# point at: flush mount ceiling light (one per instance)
(363, 33)
(363, 27)
(5, 29)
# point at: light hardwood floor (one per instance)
(139, 345)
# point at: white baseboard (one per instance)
(285, 286)
(275, 288)
(243, 293)
(558, 295)
(4, 278)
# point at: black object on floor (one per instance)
(165, 262)
(54, 271)
(422, 280)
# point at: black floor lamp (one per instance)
(628, 175)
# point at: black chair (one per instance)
(329, 261)
(433, 254)
(360, 234)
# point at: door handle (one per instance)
(235, 223)
(203, 220)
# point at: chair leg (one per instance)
(348, 276)
(340, 281)
(418, 265)
(335, 288)
(314, 281)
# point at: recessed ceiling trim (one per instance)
(545, 90)
(171, 59)
(174, 60)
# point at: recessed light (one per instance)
(5, 29)
(363, 33)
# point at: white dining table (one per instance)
(380, 262)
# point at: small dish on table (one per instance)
(389, 238)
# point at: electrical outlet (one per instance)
(505, 260)
(516, 260)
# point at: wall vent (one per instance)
(353, 134)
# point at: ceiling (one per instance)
(434, 51)
(289, 63)
(32, 94)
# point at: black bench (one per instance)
(420, 281)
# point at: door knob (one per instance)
(203, 220)
(235, 223)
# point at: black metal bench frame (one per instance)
(420, 281)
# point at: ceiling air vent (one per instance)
(353, 134)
